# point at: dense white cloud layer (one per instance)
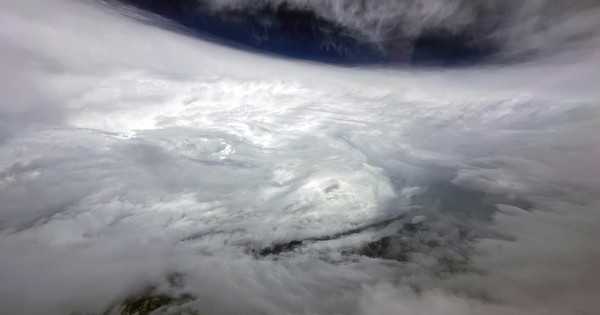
(129, 153)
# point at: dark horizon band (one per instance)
(301, 33)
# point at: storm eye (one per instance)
(445, 48)
(301, 32)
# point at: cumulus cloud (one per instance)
(131, 156)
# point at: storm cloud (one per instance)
(140, 161)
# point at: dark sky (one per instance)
(287, 31)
